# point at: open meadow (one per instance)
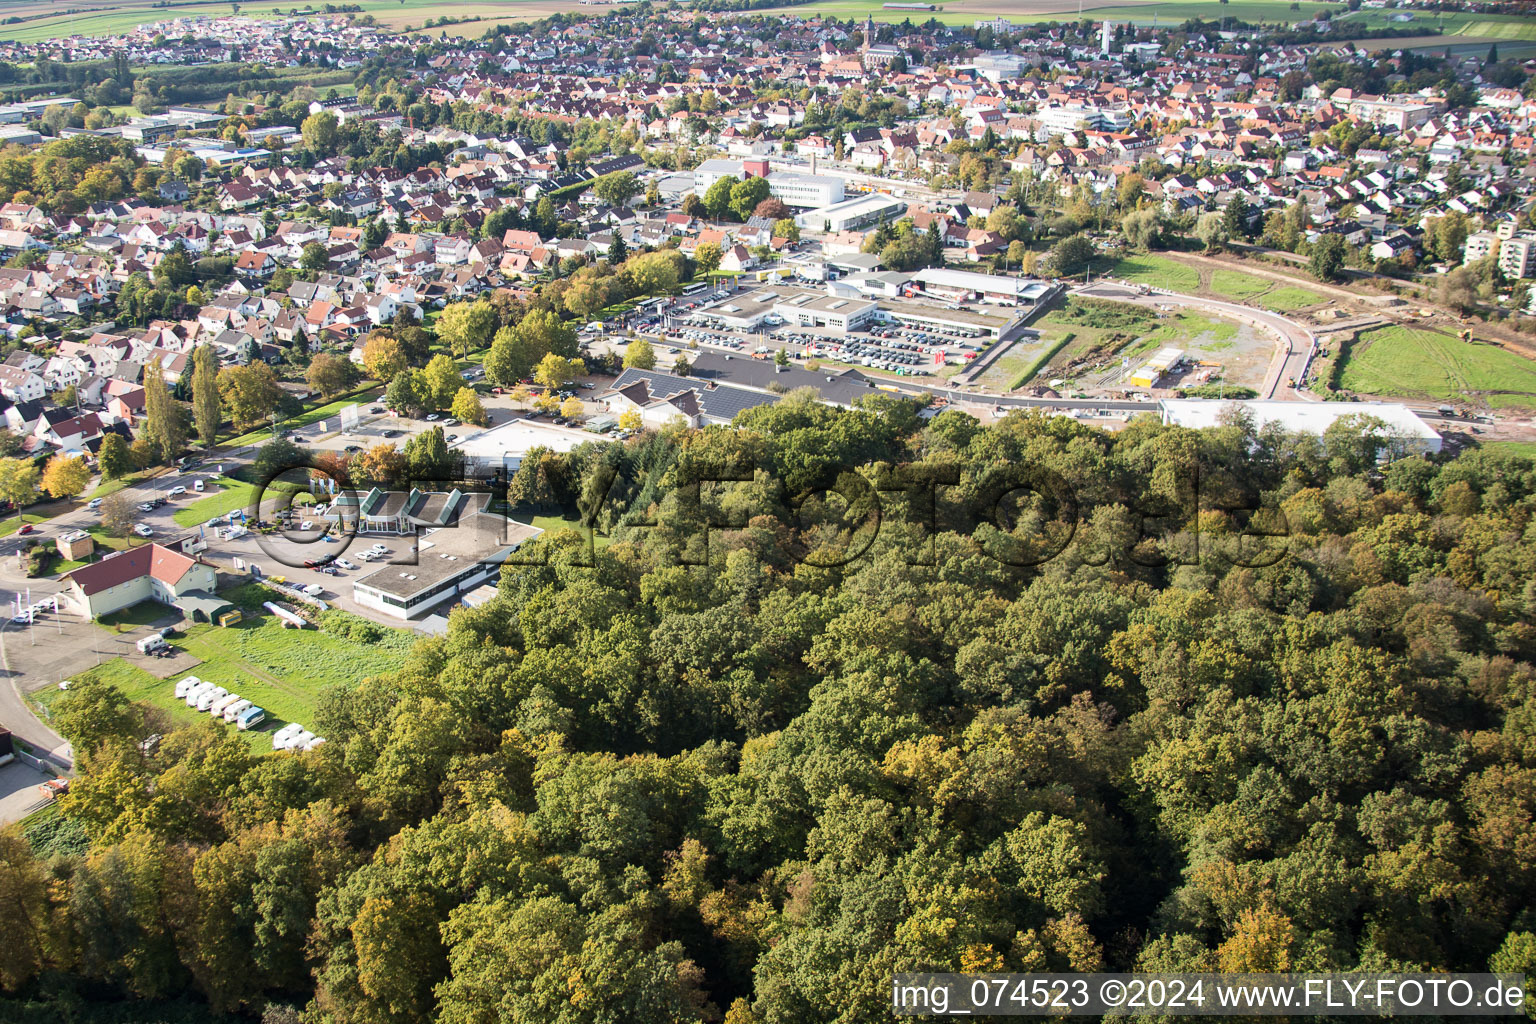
(1414, 363)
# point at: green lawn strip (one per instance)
(1158, 271)
(228, 494)
(331, 410)
(13, 523)
(1525, 449)
(107, 487)
(554, 524)
(1042, 353)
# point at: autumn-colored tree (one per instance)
(66, 477)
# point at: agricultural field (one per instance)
(282, 670)
(111, 18)
(967, 11)
(1413, 363)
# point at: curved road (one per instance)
(1294, 343)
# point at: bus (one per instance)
(696, 288)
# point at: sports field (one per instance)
(1414, 363)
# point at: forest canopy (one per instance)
(675, 778)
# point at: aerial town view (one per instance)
(767, 511)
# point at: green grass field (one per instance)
(282, 670)
(1417, 363)
(1154, 270)
(1167, 14)
(12, 523)
(1236, 285)
(1288, 297)
(1522, 448)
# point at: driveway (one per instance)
(19, 794)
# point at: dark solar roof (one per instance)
(843, 388)
(719, 401)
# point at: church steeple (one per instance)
(869, 31)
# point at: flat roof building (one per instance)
(1408, 433)
(813, 190)
(499, 451)
(852, 214)
(449, 561)
(968, 285)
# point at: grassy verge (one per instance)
(331, 410)
(1236, 285)
(1288, 297)
(1045, 355)
(14, 523)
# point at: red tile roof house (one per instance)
(148, 573)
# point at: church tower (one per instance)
(869, 32)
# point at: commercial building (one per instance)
(664, 398)
(499, 451)
(969, 286)
(852, 214)
(396, 512)
(805, 190)
(1162, 361)
(149, 573)
(449, 561)
(1406, 433)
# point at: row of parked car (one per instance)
(219, 702)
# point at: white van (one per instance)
(208, 699)
(185, 685)
(196, 693)
(232, 711)
(197, 485)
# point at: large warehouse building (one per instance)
(1406, 433)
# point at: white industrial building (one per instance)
(500, 450)
(448, 562)
(968, 285)
(813, 190)
(1406, 432)
(852, 214)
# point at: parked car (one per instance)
(314, 563)
(314, 590)
(142, 530)
(342, 563)
(27, 528)
(176, 492)
(93, 504)
(432, 417)
(353, 449)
